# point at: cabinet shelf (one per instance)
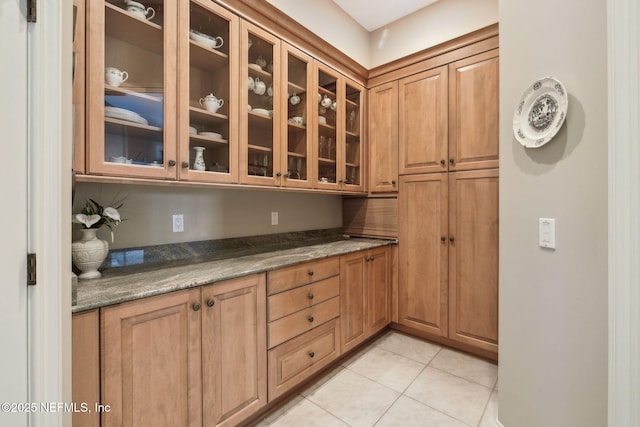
(297, 155)
(133, 129)
(327, 92)
(295, 127)
(149, 94)
(352, 165)
(264, 75)
(209, 140)
(133, 30)
(352, 103)
(326, 126)
(352, 136)
(260, 148)
(206, 58)
(201, 114)
(294, 88)
(326, 161)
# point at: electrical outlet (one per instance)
(274, 218)
(178, 223)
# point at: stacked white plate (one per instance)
(211, 135)
(124, 114)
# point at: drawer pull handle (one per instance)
(310, 296)
(210, 303)
(310, 272)
(196, 307)
(310, 319)
(311, 354)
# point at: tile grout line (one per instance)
(327, 411)
(436, 409)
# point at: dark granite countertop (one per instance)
(115, 287)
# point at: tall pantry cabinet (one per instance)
(447, 133)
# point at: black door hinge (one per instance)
(31, 269)
(32, 10)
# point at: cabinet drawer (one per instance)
(296, 360)
(301, 321)
(302, 274)
(285, 303)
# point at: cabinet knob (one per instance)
(211, 303)
(310, 272)
(310, 319)
(443, 239)
(185, 164)
(452, 162)
(172, 162)
(443, 163)
(310, 296)
(196, 307)
(312, 354)
(452, 239)
(393, 182)
(279, 174)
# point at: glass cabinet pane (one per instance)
(327, 171)
(352, 129)
(210, 95)
(298, 75)
(262, 52)
(134, 84)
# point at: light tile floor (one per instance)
(398, 381)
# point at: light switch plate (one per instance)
(547, 233)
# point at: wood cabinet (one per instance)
(383, 138)
(423, 122)
(448, 252)
(234, 350)
(473, 112)
(188, 358)
(365, 294)
(78, 88)
(131, 90)
(85, 369)
(207, 67)
(303, 322)
(151, 361)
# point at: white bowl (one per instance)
(201, 38)
(261, 111)
(322, 119)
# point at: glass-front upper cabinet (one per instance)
(352, 171)
(131, 88)
(260, 115)
(298, 103)
(328, 124)
(207, 86)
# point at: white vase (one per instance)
(88, 253)
(198, 163)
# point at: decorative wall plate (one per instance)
(540, 112)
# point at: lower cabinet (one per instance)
(448, 252)
(85, 369)
(303, 322)
(365, 292)
(188, 358)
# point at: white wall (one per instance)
(553, 304)
(208, 213)
(429, 26)
(329, 21)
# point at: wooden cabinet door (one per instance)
(383, 138)
(473, 112)
(352, 300)
(422, 232)
(85, 366)
(151, 367)
(473, 258)
(378, 289)
(423, 122)
(234, 350)
(203, 70)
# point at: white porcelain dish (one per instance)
(255, 67)
(540, 112)
(123, 114)
(205, 39)
(211, 135)
(261, 111)
(322, 119)
(193, 130)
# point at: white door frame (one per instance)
(623, 18)
(50, 146)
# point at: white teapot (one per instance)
(139, 10)
(211, 103)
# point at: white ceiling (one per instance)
(373, 14)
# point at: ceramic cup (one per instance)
(139, 11)
(211, 103)
(251, 84)
(295, 99)
(326, 102)
(334, 105)
(115, 77)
